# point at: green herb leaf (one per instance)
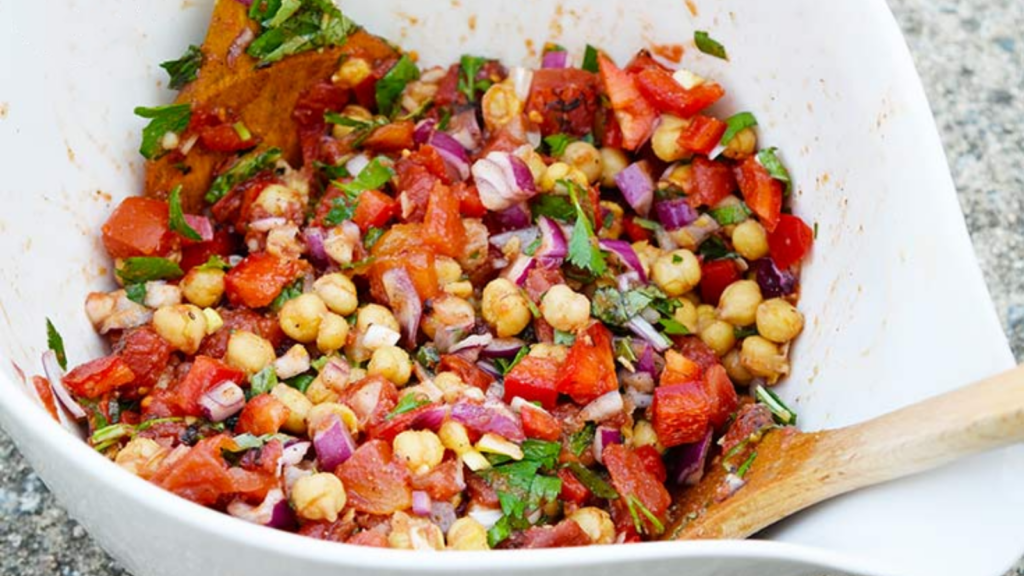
(55, 342)
(552, 206)
(736, 124)
(300, 382)
(769, 158)
(408, 403)
(215, 262)
(614, 307)
(714, 249)
(288, 293)
(177, 220)
(390, 87)
(342, 208)
(742, 470)
(428, 356)
(584, 252)
(543, 452)
(499, 532)
(733, 214)
(505, 366)
(533, 247)
(147, 268)
(590, 59)
(783, 414)
(673, 327)
(372, 177)
(544, 489)
(740, 333)
(248, 442)
(580, 442)
(708, 45)
(469, 70)
(564, 338)
(331, 172)
(592, 481)
(646, 224)
(636, 509)
(557, 143)
(136, 293)
(815, 230)
(162, 119)
(184, 69)
(371, 237)
(262, 381)
(290, 27)
(247, 167)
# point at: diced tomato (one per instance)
(652, 462)
(45, 393)
(225, 138)
(466, 370)
(634, 114)
(96, 378)
(470, 204)
(721, 395)
(607, 129)
(442, 225)
(263, 414)
(681, 413)
(762, 193)
(623, 522)
(374, 210)
(702, 134)
(201, 474)
(197, 254)
(540, 279)
(712, 182)
(448, 89)
(566, 533)
(309, 115)
(372, 399)
(418, 262)
(146, 353)
(715, 277)
(636, 232)
(341, 530)
(589, 369)
(374, 482)
(750, 419)
(572, 489)
(138, 227)
(790, 242)
(258, 279)
(393, 137)
(644, 60)
(539, 424)
(388, 427)
(679, 369)
(565, 99)
(669, 97)
(203, 376)
(443, 482)
(534, 379)
(370, 538)
(416, 176)
(215, 345)
(696, 350)
(631, 478)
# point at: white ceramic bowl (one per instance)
(897, 310)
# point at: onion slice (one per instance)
(553, 247)
(222, 401)
(56, 377)
(604, 437)
(624, 252)
(502, 179)
(556, 59)
(404, 300)
(491, 417)
(689, 468)
(421, 504)
(334, 444)
(642, 328)
(637, 186)
(603, 407)
(674, 214)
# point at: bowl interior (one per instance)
(896, 307)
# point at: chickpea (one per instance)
(585, 157)
(332, 334)
(318, 415)
(460, 289)
(676, 272)
(141, 456)
(705, 316)
(750, 240)
(596, 523)
(455, 437)
(417, 93)
(447, 312)
(249, 352)
(681, 176)
(555, 352)
(338, 293)
(613, 161)
(779, 321)
(686, 314)
(739, 302)
(318, 497)
(278, 199)
(467, 534)
(742, 144)
(505, 308)
(160, 294)
(494, 444)
(298, 407)
(447, 269)
(647, 254)
(665, 140)
(644, 435)
(565, 309)
(294, 362)
(392, 363)
(734, 367)
(450, 385)
(376, 314)
(183, 326)
(500, 105)
(719, 336)
(561, 171)
(421, 450)
(763, 358)
(412, 533)
(300, 317)
(351, 73)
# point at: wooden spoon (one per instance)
(794, 470)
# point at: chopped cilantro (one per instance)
(146, 268)
(469, 72)
(741, 333)
(361, 129)
(590, 59)
(580, 442)
(674, 327)
(176, 218)
(445, 117)
(371, 237)
(564, 338)
(708, 45)
(677, 259)
(372, 177)
(301, 382)
(533, 247)
(714, 249)
(243, 131)
(742, 470)
(184, 69)
(592, 481)
(646, 224)
(162, 119)
(55, 342)
(543, 452)
(614, 307)
(736, 124)
(636, 510)
(247, 167)
(289, 27)
(215, 262)
(136, 293)
(584, 252)
(815, 230)
(783, 414)
(499, 532)
(331, 172)
(733, 214)
(557, 143)
(294, 290)
(769, 158)
(505, 366)
(390, 87)
(342, 208)
(427, 356)
(553, 206)
(262, 381)
(408, 403)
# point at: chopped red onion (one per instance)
(503, 348)
(701, 228)
(637, 186)
(472, 341)
(642, 328)
(515, 217)
(627, 281)
(378, 335)
(267, 224)
(689, 460)
(624, 252)
(405, 302)
(665, 241)
(496, 392)
(449, 336)
(489, 367)
(222, 401)
(239, 44)
(443, 514)
(334, 444)
(641, 400)
(604, 437)
(465, 129)
(56, 377)
(356, 164)
(555, 59)
(674, 214)
(603, 407)
(421, 505)
(526, 237)
(452, 152)
(487, 517)
(520, 269)
(314, 238)
(424, 129)
(273, 512)
(646, 361)
(294, 453)
(774, 283)
(431, 418)
(553, 247)
(492, 417)
(202, 225)
(502, 179)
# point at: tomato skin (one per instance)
(199, 253)
(790, 242)
(97, 377)
(535, 380)
(631, 478)
(146, 354)
(715, 277)
(203, 376)
(539, 424)
(374, 210)
(721, 395)
(224, 138)
(634, 114)
(470, 204)
(45, 393)
(138, 227)
(466, 370)
(668, 96)
(702, 135)
(201, 474)
(572, 489)
(263, 414)
(372, 399)
(443, 482)
(693, 348)
(393, 137)
(635, 232)
(761, 192)
(442, 225)
(258, 279)
(712, 182)
(375, 483)
(643, 60)
(651, 459)
(565, 99)
(589, 369)
(681, 413)
(402, 247)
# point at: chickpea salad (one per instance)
(467, 307)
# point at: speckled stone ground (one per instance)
(971, 57)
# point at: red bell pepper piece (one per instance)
(96, 378)
(702, 134)
(668, 96)
(634, 113)
(761, 192)
(535, 380)
(790, 242)
(589, 369)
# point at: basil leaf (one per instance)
(736, 124)
(247, 167)
(162, 119)
(146, 268)
(289, 27)
(505, 366)
(590, 59)
(557, 143)
(136, 293)
(708, 45)
(262, 382)
(184, 69)
(408, 403)
(177, 220)
(769, 158)
(55, 342)
(390, 87)
(592, 481)
(727, 215)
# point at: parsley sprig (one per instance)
(184, 69)
(244, 169)
(389, 88)
(289, 27)
(176, 220)
(162, 120)
(584, 252)
(469, 71)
